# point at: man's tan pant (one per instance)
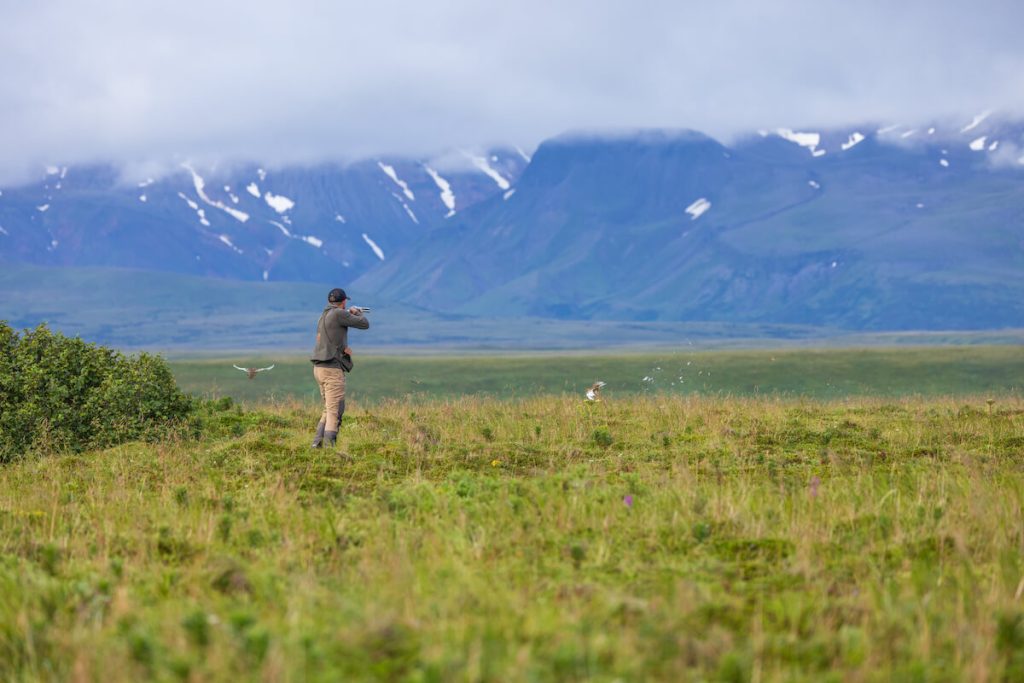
(332, 390)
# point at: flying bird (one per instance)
(594, 392)
(252, 371)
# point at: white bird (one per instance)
(252, 371)
(594, 392)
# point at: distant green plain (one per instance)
(817, 374)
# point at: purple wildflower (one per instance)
(815, 483)
(628, 500)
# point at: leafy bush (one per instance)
(61, 393)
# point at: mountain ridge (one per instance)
(861, 228)
(775, 229)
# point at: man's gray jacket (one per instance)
(332, 335)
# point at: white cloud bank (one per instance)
(312, 80)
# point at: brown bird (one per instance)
(252, 371)
(594, 392)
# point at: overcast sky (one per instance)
(132, 81)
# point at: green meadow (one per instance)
(823, 516)
(809, 373)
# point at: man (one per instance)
(332, 358)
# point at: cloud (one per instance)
(313, 80)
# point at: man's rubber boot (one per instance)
(330, 438)
(318, 440)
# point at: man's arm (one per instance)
(349, 319)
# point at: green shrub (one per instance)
(61, 393)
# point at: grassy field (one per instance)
(657, 537)
(822, 374)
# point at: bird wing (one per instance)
(238, 368)
(599, 384)
(269, 367)
(591, 396)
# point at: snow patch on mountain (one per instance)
(373, 245)
(308, 239)
(808, 140)
(142, 198)
(191, 204)
(227, 240)
(524, 155)
(976, 121)
(338, 217)
(978, 144)
(814, 184)
(280, 227)
(482, 164)
(993, 146)
(278, 203)
(411, 214)
(944, 163)
(253, 189)
(509, 194)
(406, 207)
(200, 186)
(262, 174)
(390, 172)
(147, 182)
(3, 232)
(447, 196)
(855, 138)
(195, 207)
(42, 208)
(698, 208)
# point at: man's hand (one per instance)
(347, 351)
(355, 310)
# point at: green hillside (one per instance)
(180, 313)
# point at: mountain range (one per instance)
(320, 223)
(872, 227)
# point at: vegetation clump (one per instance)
(60, 393)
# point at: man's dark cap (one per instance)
(336, 295)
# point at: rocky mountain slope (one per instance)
(890, 228)
(321, 223)
(874, 227)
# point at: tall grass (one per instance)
(648, 538)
